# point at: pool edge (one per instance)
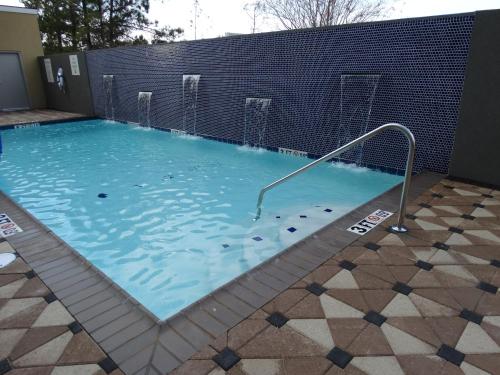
(193, 327)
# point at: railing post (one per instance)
(400, 227)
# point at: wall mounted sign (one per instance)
(48, 70)
(73, 62)
(368, 223)
(7, 226)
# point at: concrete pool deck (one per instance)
(34, 116)
(370, 301)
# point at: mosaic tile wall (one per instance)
(421, 63)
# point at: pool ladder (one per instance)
(399, 227)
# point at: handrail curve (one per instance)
(399, 228)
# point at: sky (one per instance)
(218, 17)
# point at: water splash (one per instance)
(144, 107)
(189, 101)
(247, 148)
(256, 113)
(188, 137)
(357, 94)
(109, 109)
(349, 166)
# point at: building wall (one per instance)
(476, 153)
(76, 97)
(421, 63)
(19, 32)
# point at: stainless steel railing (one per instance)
(399, 227)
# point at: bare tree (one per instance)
(297, 14)
(254, 10)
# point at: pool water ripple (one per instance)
(170, 218)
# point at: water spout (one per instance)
(143, 108)
(189, 101)
(357, 94)
(256, 113)
(109, 109)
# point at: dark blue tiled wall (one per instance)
(421, 63)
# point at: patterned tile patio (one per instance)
(38, 335)
(425, 302)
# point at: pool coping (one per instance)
(136, 339)
(21, 125)
(286, 151)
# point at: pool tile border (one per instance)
(130, 334)
(381, 168)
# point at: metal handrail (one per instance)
(399, 228)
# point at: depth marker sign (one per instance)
(369, 222)
(7, 226)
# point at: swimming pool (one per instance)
(169, 217)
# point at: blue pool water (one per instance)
(170, 218)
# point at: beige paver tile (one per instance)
(333, 308)
(9, 339)
(6, 248)
(9, 290)
(21, 313)
(315, 329)
(34, 338)
(262, 366)
(378, 365)
(54, 315)
(400, 305)
(46, 354)
(475, 340)
(404, 343)
(32, 288)
(417, 327)
(469, 369)
(342, 280)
